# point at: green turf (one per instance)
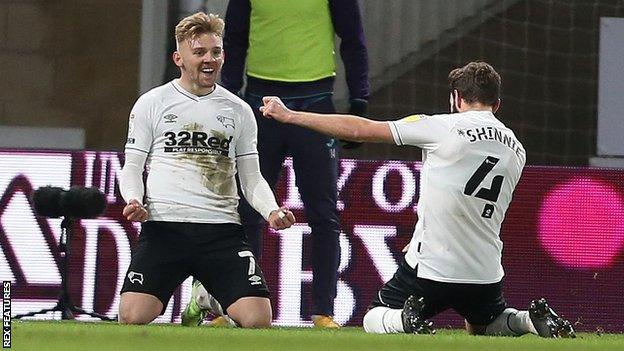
(64, 335)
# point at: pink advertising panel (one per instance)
(563, 235)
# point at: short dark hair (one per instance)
(476, 82)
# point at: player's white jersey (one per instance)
(471, 165)
(192, 144)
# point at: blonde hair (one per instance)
(198, 23)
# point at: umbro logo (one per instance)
(170, 118)
(135, 277)
(255, 280)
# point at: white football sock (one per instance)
(383, 320)
(511, 323)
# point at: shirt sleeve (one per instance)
(424, 131)
(235, 44)
(347, 23)
(254, 187)
(247, 143)
(140, 135)
(131, 180)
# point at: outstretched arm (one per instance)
(346, 127)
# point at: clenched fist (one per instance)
(275, 108)
(134, 211)
(281, 218)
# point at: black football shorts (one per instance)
(479, 304)
(217, 255)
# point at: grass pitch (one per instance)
(66, 335)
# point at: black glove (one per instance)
(358, 107)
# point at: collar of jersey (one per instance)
(183, 91)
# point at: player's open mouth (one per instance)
(207, 70)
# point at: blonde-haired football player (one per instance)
(194, 136)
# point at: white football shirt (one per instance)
(192, 143)
(471, 165)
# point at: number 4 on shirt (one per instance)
(490, 194)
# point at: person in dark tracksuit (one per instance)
(286, 49)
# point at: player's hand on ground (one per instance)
(134, 211)
(281, 218)
(275, 108)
